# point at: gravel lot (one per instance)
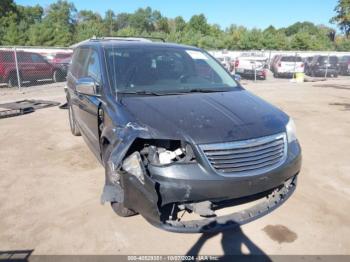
(50, 184)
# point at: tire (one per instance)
(57, 76)
(122, 211)
(12, 81)
(117, 207)
(72, 122)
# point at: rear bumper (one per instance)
(322, 71)
(251, 74)
(191, 183)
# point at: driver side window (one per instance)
(93, 66)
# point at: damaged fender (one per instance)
(121, 139)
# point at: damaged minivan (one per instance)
(182, 143)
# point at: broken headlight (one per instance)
(167, 153)
(133, 165)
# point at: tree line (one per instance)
(61, 24)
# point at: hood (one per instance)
(202, 118)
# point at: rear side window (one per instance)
(345, 59)
(24, 57)
(37, 58)
(291, 59)
(93, 66)
(324, 59)
(6, 57)
(61, 55)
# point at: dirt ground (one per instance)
(50, 185)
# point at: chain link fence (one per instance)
(24, 66)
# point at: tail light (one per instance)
(2, 69)
(237, 63)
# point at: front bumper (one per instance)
(192, 183)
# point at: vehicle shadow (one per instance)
(15, 255)
(232, 241)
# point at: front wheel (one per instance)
(121, 210)
(72, 122)
(12, 81)
(57, 76)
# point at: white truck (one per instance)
(287, 66)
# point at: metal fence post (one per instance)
(325, 76)
(17, 69)
(295, 66)
(254, 71)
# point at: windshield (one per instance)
(165, 70)
(291, 59)
(324, 59)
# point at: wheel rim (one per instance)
(55, 76)
(71, 118)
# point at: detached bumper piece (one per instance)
(23, 107)
(208, 225)
(147, 202)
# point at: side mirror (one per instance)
(87, 86)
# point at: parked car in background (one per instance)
(273, 62)
(226, 62)
(32, 67)
(59, 57)
(56, 57)
(248, 66)
(344, 65)
(323, 66)
(307, 62)
(287, 66)
(63, 64)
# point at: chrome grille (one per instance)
(247, 156)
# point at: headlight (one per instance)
(133, 165)
(291, 131)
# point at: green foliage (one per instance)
(342, 44)
(57, 26)
(342, 17)
(62, 25)
(198, 23)
(89, 24)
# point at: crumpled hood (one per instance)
(203, 118)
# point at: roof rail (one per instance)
(120, 38)
(129, 38)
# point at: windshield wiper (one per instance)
(140, 93)
(202, 90)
